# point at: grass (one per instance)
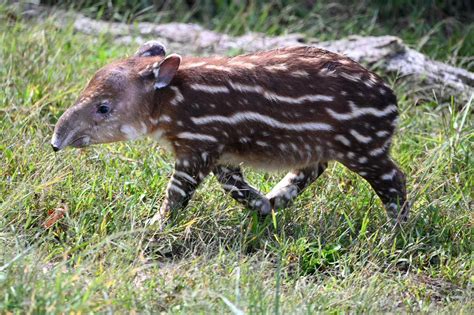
(443, 30)
(331, 252)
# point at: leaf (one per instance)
(54, 215)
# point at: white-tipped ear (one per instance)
(150, 49)
(166, 71)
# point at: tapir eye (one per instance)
(103, 109)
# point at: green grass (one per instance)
(332, 251)
(443, 30)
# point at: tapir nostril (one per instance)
(56, 149)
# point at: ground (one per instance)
(332, 251)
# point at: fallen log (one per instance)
(386, 53)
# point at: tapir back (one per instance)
(279, 109)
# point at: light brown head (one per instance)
(118, 102)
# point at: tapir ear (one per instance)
(166, 70)
(150, 49)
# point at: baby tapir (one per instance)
(292, 108)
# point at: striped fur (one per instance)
(294, 108)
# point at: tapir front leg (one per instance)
(233, 182)
(188, 174)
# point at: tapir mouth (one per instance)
(80, 142)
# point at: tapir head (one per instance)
(117, 103)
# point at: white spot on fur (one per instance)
(213, 89)
(369, 83)
(165, 118)
(389, 175)
(343, 140)
(175, 181)
(281, 56)
(237, 177)
(345, 61)
(382, 133)
(326, 72)
(359, 137)
(185, 176)
(373, 78)
(178, 98)
(307, 59)
(130, 132)
(380, 150)
(230, 188)
(393, 206)
(242, 64)
(280, 67)
(299, 74)
(351, 77)
(219, 68)
(177, 189)
(196, 136)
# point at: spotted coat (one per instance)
(294, 108)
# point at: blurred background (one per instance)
(441, 29)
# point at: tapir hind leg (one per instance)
(293, 184)
(388, 182)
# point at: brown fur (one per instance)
(294, 108)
